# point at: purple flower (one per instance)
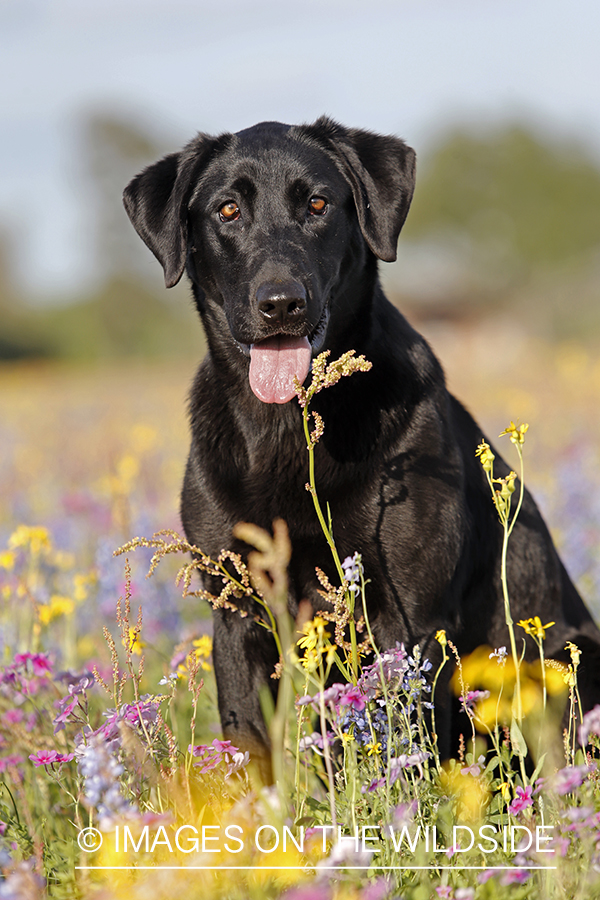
(397, 764)
(571, 777)
(590, 724)
(522, 800)
(314, 740)
(66, 707)
(101, 771)
(475, 768)
(353, 569)
(404, 813)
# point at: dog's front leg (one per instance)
(244, 656)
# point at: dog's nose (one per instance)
(281, 302)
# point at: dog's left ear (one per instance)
(157, 199)
(381, 172)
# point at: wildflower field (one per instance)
(114, 780)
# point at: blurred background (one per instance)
(499, 262)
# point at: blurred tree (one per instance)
(116, 149)
(19, 335)
(514, 203)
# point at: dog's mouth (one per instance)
(274, 363)
(277, 360)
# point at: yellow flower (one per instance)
(314, 633)
(315, 644)
(440, 637)
(480, 672)
(135, 642)
(202, 651)
(64, 560)
(374, 748)
(534, 627)
(81, 584)
(58, 606)
(470, 795)
(516, 432)
(311, 659)
(36, 538)
(7, 560)
(486, 457)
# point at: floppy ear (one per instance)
(157, 200)
(381, 172)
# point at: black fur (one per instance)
(397, 461)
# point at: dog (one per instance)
(279, 229)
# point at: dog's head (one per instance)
(271, 224)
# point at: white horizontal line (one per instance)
(334, 868)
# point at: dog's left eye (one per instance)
(317, 206)
(229, 212)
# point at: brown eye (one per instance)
(317, 206)
(229, 212)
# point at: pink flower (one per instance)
(44, 758)
(40, 663)
(522, 800)
(515, 876)
(444, 891)
(220, 752)
(354, 698)
(13, 716)
(314, 891)
(473, 697)
(561, 845)
(224, 746)
(8, 762)
(47, 757)
(377, 890)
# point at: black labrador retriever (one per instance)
(279, 229)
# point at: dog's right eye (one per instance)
(317, 206)
(229, 212)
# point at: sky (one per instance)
(414, 68)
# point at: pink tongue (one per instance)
(273, 364)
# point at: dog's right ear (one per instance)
(157, 201)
